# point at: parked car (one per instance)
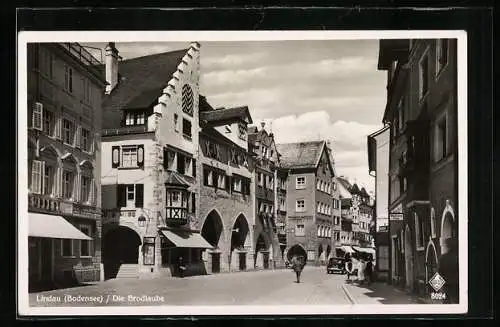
(335, 265)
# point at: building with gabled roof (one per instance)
(312, 198)
(150, 141)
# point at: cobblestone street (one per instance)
(269, 287)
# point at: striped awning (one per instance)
(52, 226)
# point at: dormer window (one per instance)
(135, 118)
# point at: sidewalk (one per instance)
(378, 293)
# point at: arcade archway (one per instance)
(447, 231)
(120, 246)
(212, 231)
(431, 261)
(261, 257)
(408, 258)
(212, 228)
(239, 236)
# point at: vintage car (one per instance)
(335, 265)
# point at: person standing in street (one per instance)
(298, 263)
(369, 271)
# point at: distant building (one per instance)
(64, 149)
(356, 214)
(309, 198)
(269, 194)
(422, 112)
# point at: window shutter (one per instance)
(139, 195)
(205, 176)
(115, 156)
(193, 202)
(36, 176)
(37, 117)
(193, 165)
(140, 155)
(78, 137)
(121, 196)
(215, 177)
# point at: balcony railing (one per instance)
(81, 54)
(125, 130)
(49, 204)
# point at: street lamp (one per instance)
(142, 221)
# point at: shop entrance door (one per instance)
(46, 259)
(215, 263)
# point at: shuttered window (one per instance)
(139, 195)
(36, 176)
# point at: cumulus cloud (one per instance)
(297, 71)
(348, 139)
(231, 60)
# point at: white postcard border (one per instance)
(25, 37)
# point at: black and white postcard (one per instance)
(242, 173)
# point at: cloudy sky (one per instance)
(304, 90)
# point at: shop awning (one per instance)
(187, 239)
(51, 226)
(365, 250)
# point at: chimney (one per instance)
(111, 62)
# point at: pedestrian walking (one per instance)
(369, 271)
(182, 267)
(298, 262)
(361, 271)
(349, 267)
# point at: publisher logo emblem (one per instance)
(437, 282)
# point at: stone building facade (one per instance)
(150, 154)
(310, 198)
(226, 170)
(269, 193)
(422, 112)
(64, 119)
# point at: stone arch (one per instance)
(431, 260)
(296, 249)
(121, 245)
(240, 232)
(70, 158)
(213, 228)
(86, 164)
(50, 150)
(448, 230)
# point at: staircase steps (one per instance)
(128, 271)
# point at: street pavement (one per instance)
(269, 287)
